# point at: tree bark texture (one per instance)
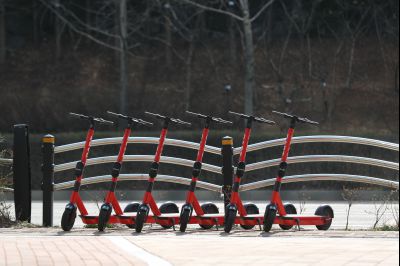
(123, 56)
(249, 59)
(3, 48)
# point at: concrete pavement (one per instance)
(41, 246)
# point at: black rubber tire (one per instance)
(132, 208)
(251, 208)
(229, 220)
(104, 217)
(269, 217)
(141, 218)
(290, 209)
(184, 220)
(68, 218)
(168, 207)
(209, 208)
(327, 211)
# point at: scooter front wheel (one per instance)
(141, 217)
(104, 216)
(269, 217)
(230, 216)
(184, 219)
(68, 217)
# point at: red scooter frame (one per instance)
(111, 201)
(160, 215)
(69, 215)
(288, 216)
(206, 213)
(248, 213)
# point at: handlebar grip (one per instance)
(254, 118)
(298, 119)
(178, 121)
(215, 119)
(263, 120)
(239, 114)
(92, 119)
(103, 121)
(79, 115)
(175, 120)
(131, 119)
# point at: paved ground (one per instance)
(121, 246)
(156, 247)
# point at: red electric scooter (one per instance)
(111, 201)
(288, 216)
(69, 215)
(160, 215)
(204, 212)
(249, 213)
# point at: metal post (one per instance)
(227, 168)
(22, 173)
(48, 179)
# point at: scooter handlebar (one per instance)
(135, 120)
(215, 119)
(175, 120)
(298, 119)
(91, 118)
(254, 118)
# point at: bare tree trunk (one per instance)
(123, 56)
(3, 47)
(168, 39)
(349, 80)
(249, 58)
(117, 28)
(189, 62)
(396, 78)
(88, 19)
(232, 42)
(58, 31)
(35, 22)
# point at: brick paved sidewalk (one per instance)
(41, 246)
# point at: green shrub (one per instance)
(5, 209)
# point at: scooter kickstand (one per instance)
(259, 224)
(216, 223)
(298, 224)
(173, 225)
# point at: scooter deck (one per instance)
(114, 219)
(300, 219)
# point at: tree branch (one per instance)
(190, 2)
(262, 10)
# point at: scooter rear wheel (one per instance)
(168, 207)
(269, 217)
(326, 211)
(141, 217)
(209, 208)
(131, 208)
(251, 208)
(104, 216)
(290, 209)
(68, 217)
(184, 220)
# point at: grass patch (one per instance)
(5, 209)
(108, 226)
(387, 228)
